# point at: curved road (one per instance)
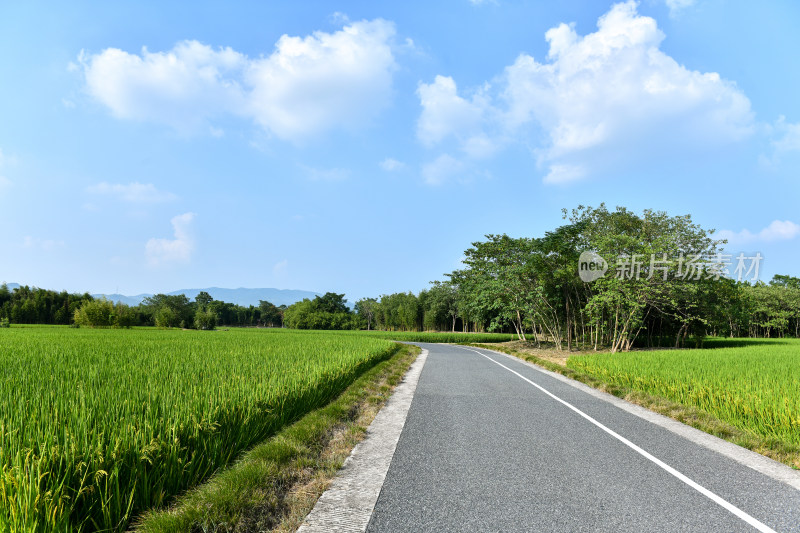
(493, 444)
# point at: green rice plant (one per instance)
(99, 425)
(753, 384)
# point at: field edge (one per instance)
(276, 484)
(691, 416)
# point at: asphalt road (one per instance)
(484, 449)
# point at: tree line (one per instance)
(26, 305)
(666, 282)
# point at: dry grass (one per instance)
(546, 352)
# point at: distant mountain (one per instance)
(240, 296)
(129, 300)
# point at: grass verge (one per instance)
(276, 484)
(779, 450)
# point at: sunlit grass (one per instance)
(98, 425)
(753, 384)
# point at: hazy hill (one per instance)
(240, 296)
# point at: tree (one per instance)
(165, 317)
(271, 315)
(96, 314)
(203, 299)
(171, 310)
(366, 308)
(331, 303)
(323, 312)
(441, 304)
(205, 319)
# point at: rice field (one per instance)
(99, 425)
(753, 384)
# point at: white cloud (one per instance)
(326, 174)
(306, 86)
(676, 6)
(391, 165)
(611, 97)
(443, 111)
(135, 192)
(183, 88)
(778, 230)
(177, 250)
(441, 169)
(324, 80)
(788, 136)
(564, 174)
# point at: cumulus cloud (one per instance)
(444, 112)
(135, 192)
(778, 230)
(307, 85)
(323, 80)
(390, 165)
(786, 137)
(182, 88)
(441, 169)
(177, 250)
(608, 97)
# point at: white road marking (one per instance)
(761, 464)
(696, 486)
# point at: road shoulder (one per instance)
(348, 503)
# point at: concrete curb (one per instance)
(348, 503)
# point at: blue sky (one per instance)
(360, 147)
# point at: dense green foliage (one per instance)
(323, 312)
(25, 305)
(103, 313)
(436, 336)
(97, 425)
(532, 286)
(755, 386)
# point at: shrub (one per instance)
(167, 318)
(96, 314)
(206, 320)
